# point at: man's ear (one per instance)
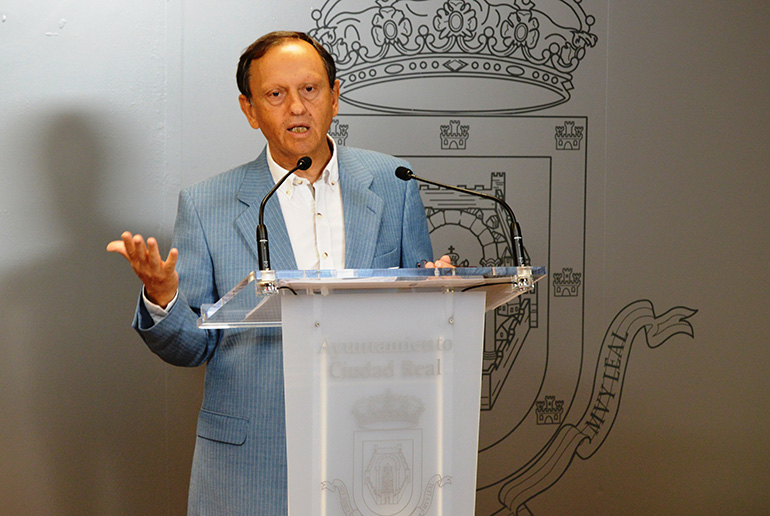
(336, 96)
(249, 111)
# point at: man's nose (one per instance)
(296, 103)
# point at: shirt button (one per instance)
(319, 215)
(326, 255)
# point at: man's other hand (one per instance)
(444, 261)
(160, 278)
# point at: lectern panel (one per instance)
(382, 401)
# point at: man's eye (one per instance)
(275, 97)
(310, 91)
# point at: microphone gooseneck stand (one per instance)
(520, 255)
(267, 275)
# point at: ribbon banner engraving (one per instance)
(584, 438)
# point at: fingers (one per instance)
(159, 277)
(170, 263)
(153, 254)
(137, 249)
(117, 246)
(444, 261)
(124, 246)
(144, 257)
(128, 241)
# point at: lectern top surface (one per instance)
(251, 304)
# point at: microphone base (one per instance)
(267, 283)
(524, 280)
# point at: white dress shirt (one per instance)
(313, 215)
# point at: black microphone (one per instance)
(520, 256)
(263, 252)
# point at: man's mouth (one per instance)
(299, 129)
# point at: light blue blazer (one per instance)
(239, 464)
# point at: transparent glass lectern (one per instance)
(382, 374)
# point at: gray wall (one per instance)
(109, 108)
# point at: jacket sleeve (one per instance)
(177, 338)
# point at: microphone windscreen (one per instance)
(304, 163)
(404, 173)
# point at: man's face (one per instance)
(292, 103)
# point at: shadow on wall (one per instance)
(83, 402)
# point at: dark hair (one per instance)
(260, 47)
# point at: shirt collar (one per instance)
(330, 175)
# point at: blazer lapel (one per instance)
(257, 182)
(362, 211)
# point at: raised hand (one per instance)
(160, 278)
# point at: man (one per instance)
(346, 211)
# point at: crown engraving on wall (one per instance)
(568, 136)
(454, 135)
(566, 283)
(388, 410)
(550, 411)
(482, 57)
